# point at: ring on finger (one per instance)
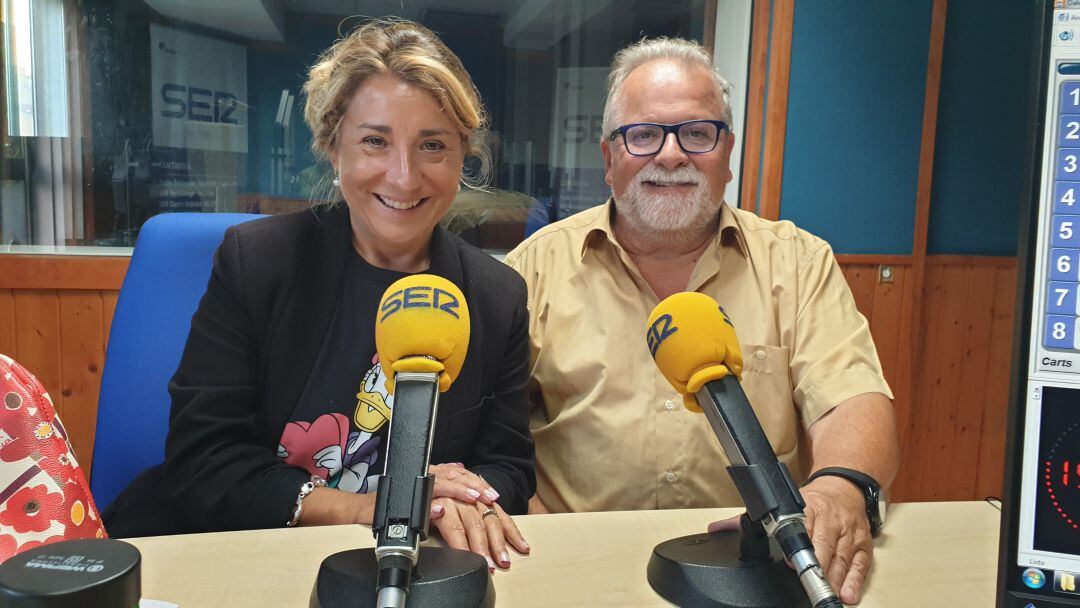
(487, 512)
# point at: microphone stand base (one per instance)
(443, 577)
(704, 570)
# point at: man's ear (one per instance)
(605, 151)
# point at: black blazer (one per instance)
(253, 342)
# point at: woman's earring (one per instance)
(336, 181)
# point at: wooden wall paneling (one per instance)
(956, 413)
(37, 337)
(755, 106)
(862, 280)
(885, 323)
(61, 272)
(884, 305)
(82, 347)
(903, 386)
(7, 323)
(971, 400)
(943, 383)
(108, 300)
(914, 442)
(991, 464)
(772, 170)
(874, 259)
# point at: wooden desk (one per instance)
(930, 554)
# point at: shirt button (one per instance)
(669, 405)
(759, 354)
(671, 476)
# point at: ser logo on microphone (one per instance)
(420, 296)
(660, 330)
(727, 317)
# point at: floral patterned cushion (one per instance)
(44, 497)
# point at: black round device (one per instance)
(443, 578)
(710, 571)
(103, 573)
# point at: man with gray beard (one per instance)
(609, 433)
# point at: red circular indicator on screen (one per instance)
(1061, 470)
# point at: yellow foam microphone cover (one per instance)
(692, 341)
(422, 326)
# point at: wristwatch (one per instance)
(871, 489)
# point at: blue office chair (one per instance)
(166, 279)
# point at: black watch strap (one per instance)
(870, 488)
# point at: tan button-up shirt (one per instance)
(611, 433)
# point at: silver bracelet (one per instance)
(308, 487)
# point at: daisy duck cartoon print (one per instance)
(344, 452)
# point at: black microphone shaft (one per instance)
(404, 489)
(408, 447)
(764, 483)
(746, 445)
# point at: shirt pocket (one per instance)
(766, 380)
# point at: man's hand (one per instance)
(859, 433)
(837, 523)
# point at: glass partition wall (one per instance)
(116, 110)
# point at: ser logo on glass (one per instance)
(200, 105)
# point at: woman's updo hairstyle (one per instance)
(410, 52)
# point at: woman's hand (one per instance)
(478, 528)
(329, 507)
(453, 480)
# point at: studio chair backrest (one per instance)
(166, 279)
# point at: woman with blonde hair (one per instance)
(280, 408)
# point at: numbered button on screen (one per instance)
(1065, 197)
(1066, 231)
(1070, 97)
(1064, 264)
(1061, 299)
(1068, 163)
(1060, 331)
(1069, 131)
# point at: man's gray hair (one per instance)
(648, 49)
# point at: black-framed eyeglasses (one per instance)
(693, 136)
